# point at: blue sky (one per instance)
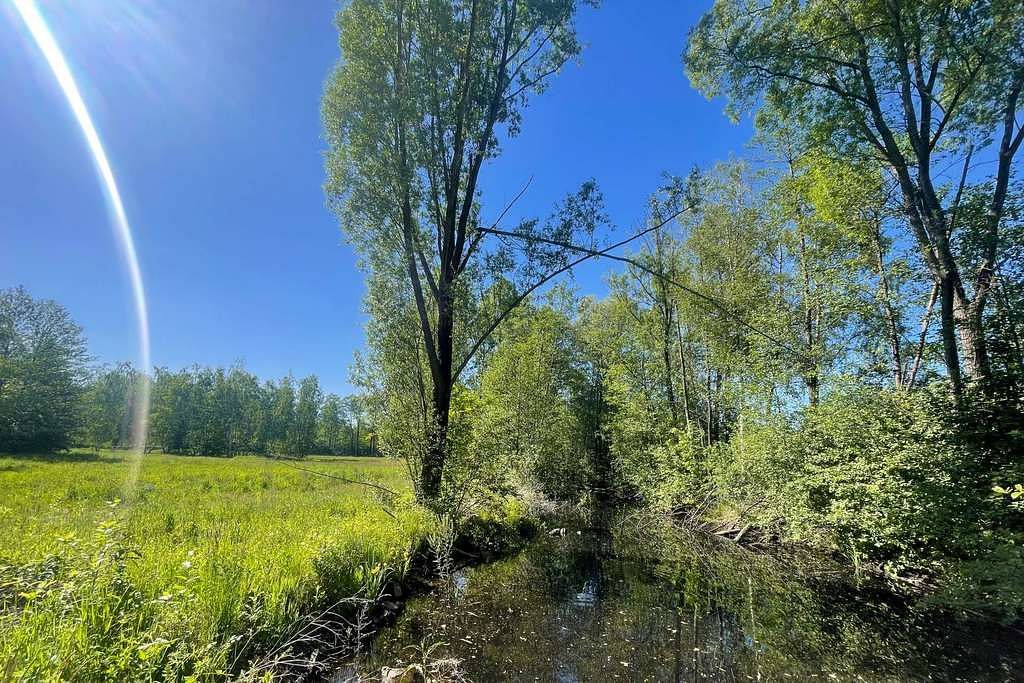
(209, 112)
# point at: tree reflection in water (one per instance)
(615, 603)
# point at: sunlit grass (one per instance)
(201, 550)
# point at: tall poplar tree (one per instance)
(412, 112)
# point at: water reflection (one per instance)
(616, 604)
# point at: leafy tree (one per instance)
(107, 406)
(169, 418)
(356, 410)
(914, 87)
(42, 373)
(331, 428)
(307, 409)
(528, 425)
(412, 112)
(282, 417)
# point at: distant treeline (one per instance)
(51, 398)
(217, 411)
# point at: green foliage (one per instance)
(501, 527)
(42, 371)
(528, 419)
(881, 475)
(207, 411)
(753, 470)
(675, 472)
(412, 113)
(108, 405)
(806, 62)
(887, 478)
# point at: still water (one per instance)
(615, 600)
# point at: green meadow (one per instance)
(181, 567)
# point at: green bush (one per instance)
(900, 480)
(500, 528)
(676, 471)
(753, 472)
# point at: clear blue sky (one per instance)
(209, 112)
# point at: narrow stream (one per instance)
(612, 600)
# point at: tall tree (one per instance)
(42, 373)
(355, 408)
(331, 428)
(107, 406)
(282, 416)
(412, 112)
(913, 85)
(307, 409)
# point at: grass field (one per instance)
(188, 571)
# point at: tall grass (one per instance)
(191, 572)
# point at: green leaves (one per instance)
(1016, 492)
(42, 372)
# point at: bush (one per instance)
(500, 528)
(883, 476)
(676, 470)
(753, 472)
(898, 479)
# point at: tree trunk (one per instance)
(892, 320)
(950, 352)
(811, 379)
(666, 351)
(682, 375)
(972, 337)
(432, 467)
(432, 470)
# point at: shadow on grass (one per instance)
(68, 456)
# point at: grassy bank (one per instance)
(195, 569)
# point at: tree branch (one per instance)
(722, 308)
(588, 254)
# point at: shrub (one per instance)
(903, 480)
(499, 528)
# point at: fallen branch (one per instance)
(361, 482)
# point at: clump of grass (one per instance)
(205, 564)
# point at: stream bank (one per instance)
(611, 600)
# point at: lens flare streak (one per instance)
(47, 44)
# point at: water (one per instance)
(618, 601)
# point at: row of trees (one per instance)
(213, 411)
(51, 398)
